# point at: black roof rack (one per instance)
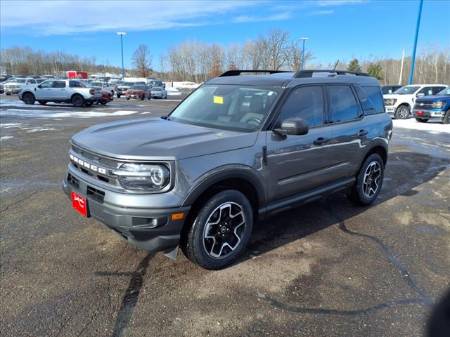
(332, 72)
(238, 72)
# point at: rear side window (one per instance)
(343, 104)
(75, 84)
(374, 99)
(306, 103)
(59, 84)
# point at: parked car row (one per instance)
(402, 102)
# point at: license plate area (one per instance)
(80, 204)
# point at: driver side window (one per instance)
(306, 103)
(46, 85)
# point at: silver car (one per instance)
(14, 86)
(61, 91)
(158, 92)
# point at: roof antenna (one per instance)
(335, 64)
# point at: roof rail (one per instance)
(237, 72)
(332, 72)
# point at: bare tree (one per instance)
(142, 60)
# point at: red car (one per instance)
(139, 92)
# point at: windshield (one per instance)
(139, 87)
(156, 89)
(407, 90)
(240, 108)
(445, 92)
(19, 80)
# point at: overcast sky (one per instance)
(338, 29)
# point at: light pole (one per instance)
(303, 39)
(413, 57)
(121, 34)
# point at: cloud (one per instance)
(329, 3)
(67, 17)
(273, 17)
(321, 12)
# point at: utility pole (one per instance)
(401, 68)
(413, 57)
(122, 34)
(302, 65)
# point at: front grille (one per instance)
(95, 194)
(424, 105)
(94, 165)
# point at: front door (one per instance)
(297, 163)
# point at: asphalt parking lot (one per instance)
(326, 269)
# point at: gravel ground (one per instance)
(325, 269)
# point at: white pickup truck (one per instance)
(400, 103)
(61, 91)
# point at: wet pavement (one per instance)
(325, 269)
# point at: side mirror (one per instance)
(420, 94)
(294, 126)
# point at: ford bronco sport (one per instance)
(234, 151)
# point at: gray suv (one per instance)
(239, 148)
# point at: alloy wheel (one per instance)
(371, 180)
(224, 230)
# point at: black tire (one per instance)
(42, 102)
(446, 119)
(77, 100)
(216, 216)
(422, 120)
(118, 95)
(28, 98)
(142, 97)
(360, 193)
(402, 112)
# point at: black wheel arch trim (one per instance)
(225, 172)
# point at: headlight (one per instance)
(390, 101)
(438, 104)
(143, 177)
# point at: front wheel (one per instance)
(368, 181)
(220, 230)
(402, 112)
(422, 120)
(28, 98)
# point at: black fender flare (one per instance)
(231, 171)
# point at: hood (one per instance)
(396, 96)
(160, 139)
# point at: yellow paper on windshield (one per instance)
(218, 100)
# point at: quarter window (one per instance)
(343, 104)
(306, 103)
(374, 97)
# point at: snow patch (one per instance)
(2, 138)
(433, 127)
(39, 129)
(10, 125)
(63, 114)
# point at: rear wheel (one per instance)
(220, 230)
(422, 120)
(446, 119)
(402, 112)
(118, 95)
(369, 180)
(77, 100)
(28, 98)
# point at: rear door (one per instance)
(59, 90)
(298, 163)
(346, 131)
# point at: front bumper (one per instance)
(429, 114)
(133, 224)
